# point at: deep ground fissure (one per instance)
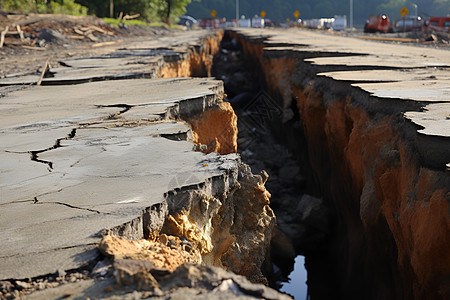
(304, 220)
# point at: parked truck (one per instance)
(413, 23)
(378, 23)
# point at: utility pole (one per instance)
(415, 8)
(237, 12)
(351, 14)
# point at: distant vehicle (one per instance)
(313, 23)
(327, 23)
(414, 23)
(245, 23)
(378, 23)
(257, 22)
(210, 23)
(268, 23)
(340, 23)
(187, 21)
(229, 24)
(441, 24)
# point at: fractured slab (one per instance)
(145, 59)
(412, 80)
(98, 164)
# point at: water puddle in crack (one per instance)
(296, 286)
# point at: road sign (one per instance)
(288, 20)
(404, 11)
(263, 14)
(213, 13)
(296, 14)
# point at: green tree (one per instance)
(44, 6)
(150, 10)
(170, 10)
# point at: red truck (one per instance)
(441, 24)
(378, 23)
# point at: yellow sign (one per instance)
(263, 14)
(213, 13)
(404, 11)
(296, 14)
(288, 20)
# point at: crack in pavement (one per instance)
(36, 201)
(34, 154)
(43, 194)
(126, 107)
(17, 202)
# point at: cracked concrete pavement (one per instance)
(100, 176)
(384, 70)
(79, 159)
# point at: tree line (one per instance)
(281, 9)
(44, 6)
(150, 10)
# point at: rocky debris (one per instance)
(310, 222)
(167, 252)
(135, 279)
(51, 36)
(164, 266)
(236, 241)
(219, 283)
(16, 289)
(127, 278)
(235, 71)
(428, 37)
(129, 272)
